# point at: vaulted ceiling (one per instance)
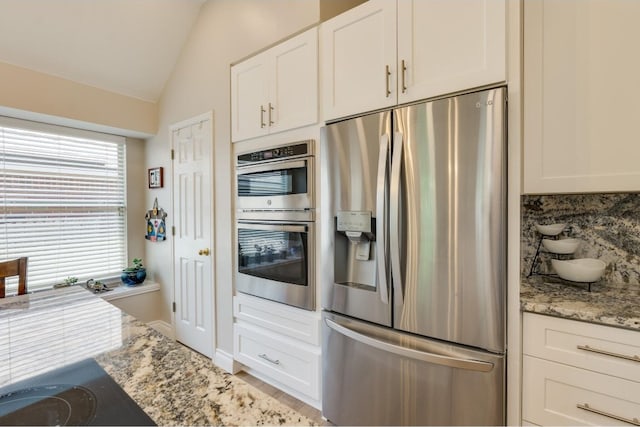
(125, 46)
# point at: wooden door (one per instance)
(193, 240)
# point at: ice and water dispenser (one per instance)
(355, 254)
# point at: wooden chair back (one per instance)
(16, 267)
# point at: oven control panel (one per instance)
(276, 153)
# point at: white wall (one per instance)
(226, 31)
(142, 306)
(136, 208)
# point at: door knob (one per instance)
(204, 252)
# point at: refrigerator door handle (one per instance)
(437, 359)
(394, 217)
(381, 219)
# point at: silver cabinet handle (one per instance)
(633, 421)
(634, 358)
(387, 74)
(381, 220)
(262, 111)
(437, 359)
(271, 122)
(404, 70)
(268, 359)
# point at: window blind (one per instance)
(62, 202)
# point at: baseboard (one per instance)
(163, 327)
(225, 361)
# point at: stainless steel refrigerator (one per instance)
(414, 296)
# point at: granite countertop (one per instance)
(607, 304)
(174, 385)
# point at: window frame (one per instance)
(122, 240)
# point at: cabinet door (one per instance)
(581, 104)
(293, 91)
(609, 350)
(449, 45)
(555, 394)
(249, 102)
(359, 59)
(290, 362)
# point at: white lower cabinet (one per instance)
(577, 373)
(280, 345)
(285, 361)
(557, 394)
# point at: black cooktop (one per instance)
(78, 394)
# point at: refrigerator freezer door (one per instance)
(379, 376)
(355, 155)
(452, 220)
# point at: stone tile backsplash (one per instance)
(608, 225)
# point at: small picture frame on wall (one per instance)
(155, 178)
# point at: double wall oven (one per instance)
(275, 224)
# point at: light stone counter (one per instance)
(607, 303)
(608, 226)
(175, 386)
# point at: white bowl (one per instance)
(550, 230)
(562, 246)
(579, 270)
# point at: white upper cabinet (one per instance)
(382, 53)
(446, 46)
(359, 59)
(249, 98)
(581, 106)
(293, 90)
(276, 90)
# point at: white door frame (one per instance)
(179, 125)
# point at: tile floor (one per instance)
(295, 404)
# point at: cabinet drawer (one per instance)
(552, 393)
(294, 322)
(293, 364)
(598, 348)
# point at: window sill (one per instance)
(122, 291)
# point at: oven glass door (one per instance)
(273, 179)
(277, 252)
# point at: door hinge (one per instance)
(174, 307)
(173, 154)
(173, 230)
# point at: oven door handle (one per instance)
(272, 167)
(273, 227)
